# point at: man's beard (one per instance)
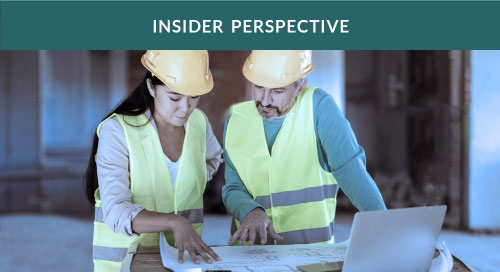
(270, 108)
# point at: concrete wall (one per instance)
(376, 89)
(360, 94)
(484, 163)
(50, 104)
(20, 130)
(79, 88)
(66, 88)
(328, 74)
(405, 108)
(20, 126)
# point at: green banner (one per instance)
(249, 25)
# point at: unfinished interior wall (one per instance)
(328, 74)
(376, 94)
(435, 119)
(65, 88)
(50, 103)
(405, 107)
(20, 131)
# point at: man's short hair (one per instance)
(300, 81)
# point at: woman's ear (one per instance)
(150, 87)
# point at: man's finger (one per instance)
(273, 233)
(235, 236)
(251, 236)
(243, 236)
(262, 234)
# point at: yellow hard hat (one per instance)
(184, 71)
(277, 68)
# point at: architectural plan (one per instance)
(270, 258)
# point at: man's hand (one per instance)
(255, 222)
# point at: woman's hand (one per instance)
(186, 238)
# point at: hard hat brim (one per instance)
(268, 82)
(200, 89)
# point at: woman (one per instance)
(150, 161)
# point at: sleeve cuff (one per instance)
(128, 227)
(247, 209)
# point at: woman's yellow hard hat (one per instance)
(277, 68)
(184, 71)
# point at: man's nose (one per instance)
(266, 98)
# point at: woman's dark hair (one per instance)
(137, 103)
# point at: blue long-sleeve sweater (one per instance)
(338, 153)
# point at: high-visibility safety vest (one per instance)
(299, 196)
(151, 186)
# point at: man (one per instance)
(286, 155)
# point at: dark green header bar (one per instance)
(130, 25)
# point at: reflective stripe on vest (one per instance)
(308, 236)
(298, 194)
(151, 187)
(98, 217)
(193, 216)
(264, 201)
(109, 253)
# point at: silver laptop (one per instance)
(392, 240)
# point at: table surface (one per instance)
(149, 259)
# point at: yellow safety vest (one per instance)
(151, 186)
(299, 196)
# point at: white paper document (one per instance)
(271, 258)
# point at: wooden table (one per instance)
(148, 259)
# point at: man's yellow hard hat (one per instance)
(277, 68)
(184, 71)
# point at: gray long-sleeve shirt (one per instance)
(112, 161)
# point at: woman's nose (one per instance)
(184, 104)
